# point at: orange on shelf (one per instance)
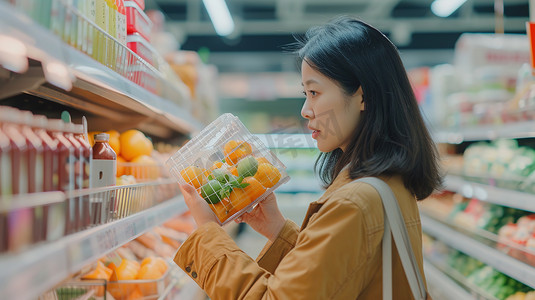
(144, 167)
(236, 150)
(120, 166)
(134, 143)
(100, 272)
(149, 272)
(114, 140)
(267, 175)
(136, 294)
(127, 270)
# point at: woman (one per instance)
(363, 113)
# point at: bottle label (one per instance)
(103, 172)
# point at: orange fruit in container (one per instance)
(222, 209)
(262, 160)
(194, 176)
(134, 143)
(217, 164)
(236, 150)
(240, 198)
(127, 270)
(267, 175)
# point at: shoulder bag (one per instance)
(395, 226)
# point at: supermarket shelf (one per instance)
(45, 66)
(443, 285)
(487, 193)
(486, 132)
(28, 274)
(492, 257)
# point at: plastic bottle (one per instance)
(101, 19)
(86, 159)
(121, 22)
(66, 161)
(103, 171)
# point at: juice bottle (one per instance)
(75, 209)
(35, 168)
(5, 184)
(19, 221)
(103, 171)
(50, 169)
(66, 161)
(86, 158)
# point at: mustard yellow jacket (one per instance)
(336, 254)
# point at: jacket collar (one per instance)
(340, 180)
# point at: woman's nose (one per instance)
(306, 111)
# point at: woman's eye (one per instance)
(312, 93)
(304, 93)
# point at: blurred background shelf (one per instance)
(486, 254)
(517, 130)
(28, 274)
(442, 286)
(491, 194)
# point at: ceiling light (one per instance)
(220, 16)
(444, 8)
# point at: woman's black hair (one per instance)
(391, 137)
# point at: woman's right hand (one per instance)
(265, 218)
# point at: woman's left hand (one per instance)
(199, 209)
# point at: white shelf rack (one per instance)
(517, 130)
(34, 60)
(491, 194)
(488, 255)
(442, 284)
(28, 274)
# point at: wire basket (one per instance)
(79, 290)
(229, 167)
(149, 289)
(31, 218)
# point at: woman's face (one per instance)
(332, 115)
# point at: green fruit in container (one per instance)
(247, 167)
(221, 174)
(210, 191)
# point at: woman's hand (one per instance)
(265, 218)
(199, 209)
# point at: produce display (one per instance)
(134, 154)
(475, 214)
(518, 239)
(140, 269)
(501, 163)
(472, 273)
(229, 167)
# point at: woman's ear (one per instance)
(360, 93)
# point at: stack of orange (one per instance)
(133, 151)
(250, 187)
(100, 272)
(130, 271)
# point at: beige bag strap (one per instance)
(395, 226)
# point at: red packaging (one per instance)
(136, 20)
(141, 47)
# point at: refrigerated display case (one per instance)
(114, 88)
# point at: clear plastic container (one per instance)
(230, 168)
(136, 20)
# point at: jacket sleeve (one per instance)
(273, 252)
(326, 255)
